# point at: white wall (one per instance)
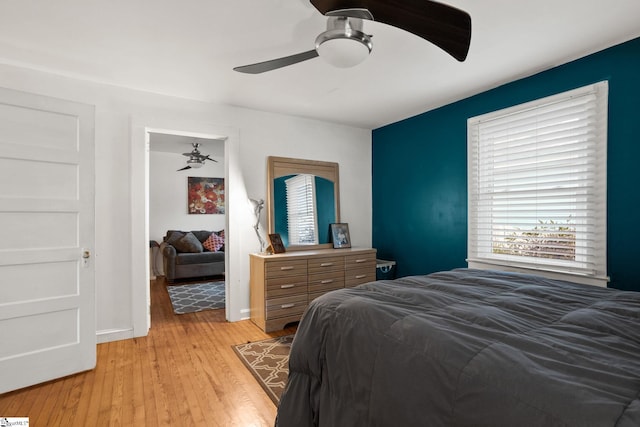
(256, 135)
(168, 195)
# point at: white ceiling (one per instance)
(187, 48)
(171, 143)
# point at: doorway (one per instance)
(186, 193)
(235, 193)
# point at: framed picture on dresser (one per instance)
(277, 247)
(340, 235)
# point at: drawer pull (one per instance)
(358, 261)
(287, 305)
(286, 286)
(286, 267)
(361, 276)
(324, 282)
(326, 264)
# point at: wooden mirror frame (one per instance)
(281, 166)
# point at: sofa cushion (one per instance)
(202, 235)
(188, 243)
(214, 243)
(173, 236)
(199, 258)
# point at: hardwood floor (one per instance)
(184, 373)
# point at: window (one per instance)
(537, 186)
(301, 210)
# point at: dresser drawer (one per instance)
(285, 286)
(319, 265)
(323, 282)
(359, 261)
(283, 268)
(359, 276)
(286, 306)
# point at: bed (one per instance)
(466, 348)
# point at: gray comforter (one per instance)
(466, 348)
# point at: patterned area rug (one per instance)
(268, 361)
(196, 297)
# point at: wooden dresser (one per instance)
(282, 285)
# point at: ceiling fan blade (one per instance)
(209, 158)
(273, 64)
(445, 26)
(184, 168)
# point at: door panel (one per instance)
(49, 280)
(32, 126)
(42, 179)
(38, 230)
(61, 331)
(47, 307)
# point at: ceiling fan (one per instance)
(344, 44)
(195, 158)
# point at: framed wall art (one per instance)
(205, 195)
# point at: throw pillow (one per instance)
(173, 236)
(202, 235)
(188, 243)
(213, 243)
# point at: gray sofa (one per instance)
(192, 254)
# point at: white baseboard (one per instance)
(109, 335)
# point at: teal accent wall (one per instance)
(420, 168)
(326, 207)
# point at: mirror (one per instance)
(316, 187)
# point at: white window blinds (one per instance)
(537, 184)
(301, 211)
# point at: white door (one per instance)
(47, 307)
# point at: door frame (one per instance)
(234, 191)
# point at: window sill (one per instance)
(568, 276)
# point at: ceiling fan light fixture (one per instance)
(343, 52)
(343, 45)
(194, 163)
